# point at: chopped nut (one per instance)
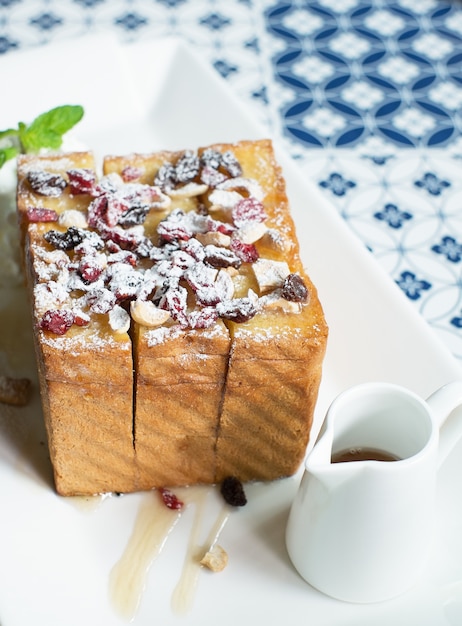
(276, 240)
(72, 217)
(222, 199)
(214, 238)
(270, 274)
(276, 301)
(224, 284)
(15, 391)
(160, 201)
(232, 271)
(147, 314)
(251, 232)
(56, 257)
(215, 559)
(188, 191)
(250, 185)
(119, 319)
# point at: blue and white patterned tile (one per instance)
(352, 69)
(406, 208)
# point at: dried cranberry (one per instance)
(68, 240)
(112, 246)
(221, 257)
(165, 177)
(81, 180)
(144, 247)
(211, 177)
(122, 256)
(115, 208)
(134, 216)
(238, 310)
(91, 243)
(125, 240)
(170, 500)
(58, 321)
(211, 158)
(233, 492)
(174, 227)
(248, 210)
(37, 214)
(131, 173)
(46, 183)
(201, 278)
(231, 164)
(294, 289)
(90, 271)
(247, 252)
(108, 184)
(216, 226)
(97, 211)
(101, 300)
(195, 249)
(124, 281)
(175, 301)
(81, 319)
(187, 167)
(203, 318)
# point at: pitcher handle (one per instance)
(446, 406)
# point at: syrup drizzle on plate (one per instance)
(153, 525)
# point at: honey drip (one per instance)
(184, 593)
(153, 525)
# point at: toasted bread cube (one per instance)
(86, 379)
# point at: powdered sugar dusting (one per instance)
(108, 263)
(82, 343)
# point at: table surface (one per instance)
(365, 95)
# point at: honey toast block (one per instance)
(85, 374)
(179, 339)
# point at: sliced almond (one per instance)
(74, 218)
(214, 238)
(276, 302)
(147, 314)
(189, 190)
(276, 240)
(250, 185)
(251, 232)
(222, 199)
(161, 203)
(270, 274)
(119, 320)
(224, 284)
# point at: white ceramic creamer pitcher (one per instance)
(361, 530)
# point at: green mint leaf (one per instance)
(10, 132)
(7, 153)
(40, 138)
(47, 129)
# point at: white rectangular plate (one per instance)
(56, 554)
